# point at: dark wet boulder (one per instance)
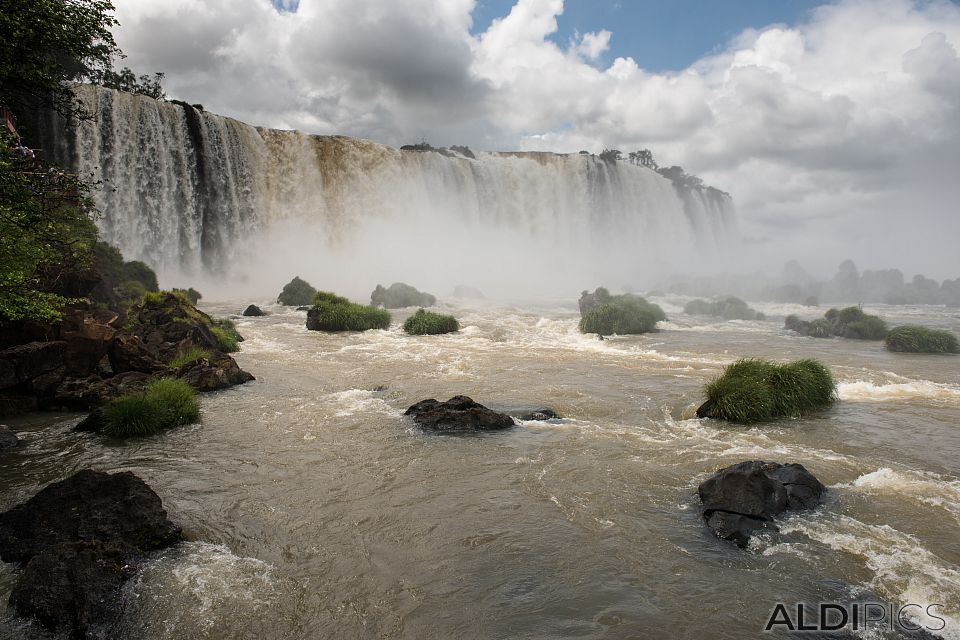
(739, 499)
(459, 413)
(539, 414)
(253, 311)
(30, 360)
(88, 341)
(297, 292)
(79, 539)
(129, 353)
(217, 371)
(400, 295)
(95, 421)
(8, 439)
(305, 307)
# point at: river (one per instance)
(314, 509)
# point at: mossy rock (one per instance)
(755, 390)
(296, 292)
(728, 308)
(910, 338)
(622, 315)
(425, 322)
(331, 312)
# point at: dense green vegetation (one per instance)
(911, 338)
(297, 292)
(728, 308)
(425, 322)
(851, 322)
(759, 390)
(163, 404)
(192, 295)
(622, 315)
(331, 312)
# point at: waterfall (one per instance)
(191, 193)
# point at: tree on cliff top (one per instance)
(45, 44)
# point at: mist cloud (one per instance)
(838, 136)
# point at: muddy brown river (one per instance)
(315, 509)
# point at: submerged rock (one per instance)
(459, 413)
(8, 439)
(539, 414)
(217, 371)
(253, 311)
(79, 540)
(739, 499)
(469, 293)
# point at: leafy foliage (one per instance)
(45, 44)
(425, 322)
(127, 80)
(759, 390)
(46, 236)
(163, 404)
(910, 338)
(296, 292)
(622, 315)
(335, 313)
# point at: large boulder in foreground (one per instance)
(79, 540)
(742, 498)
(400, 295)
(459, 413)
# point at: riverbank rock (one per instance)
(78, 541)
(217, 371)
(8, 439)
(253, 311)
(459, 413)
(400, 295)
(742, 498)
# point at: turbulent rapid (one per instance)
(314, 508)
(190, 192)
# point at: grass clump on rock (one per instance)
(622, 315)
(225, 331)
(427, 323)
(851, 322)
(755, 390)
(296, 293)
(911, 338)
(331, 312)
(163, 404)
(190, 355)
(728, 308)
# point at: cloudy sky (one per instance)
(835, 126)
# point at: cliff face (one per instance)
(182, 188)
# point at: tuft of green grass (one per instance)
(728, 308)
(225, 331)
(622, 315)
(190, 355)
(756, 390)
(425, 322)
(331, 312)
(163, 404)
(911, 338)
(851, 322)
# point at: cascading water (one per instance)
(191, 192)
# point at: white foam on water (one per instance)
(923, 486)
(200, 587)
(903, 570)
(866, 391)
(353, 401)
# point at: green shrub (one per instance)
(331, 312)
(622, 315)
(190, 355)
(139, 271)
(297, 292)
(428, 323)
(851, 322)
(191, 294)
(163, 404)
(728, 308)
(225, 331)
(911, 338)
(759, 390)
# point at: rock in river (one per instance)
(459, 413)
(744, 497)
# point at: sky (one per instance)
(834, 126)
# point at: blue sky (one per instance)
(660, 35)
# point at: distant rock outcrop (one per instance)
(399, 295)
(253, 311)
